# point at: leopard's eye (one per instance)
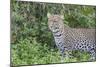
(51, 26)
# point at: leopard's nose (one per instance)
(56, 27)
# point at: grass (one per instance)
(26, 53)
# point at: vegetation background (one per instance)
(31, 40)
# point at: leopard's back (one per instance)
(79, 39)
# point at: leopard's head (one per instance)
(55, 22)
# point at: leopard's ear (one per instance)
(48, 15)
(62, 16)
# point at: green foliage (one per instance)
(31, 40)
(26, 52)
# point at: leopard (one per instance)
(70, 39)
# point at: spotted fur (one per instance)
(68, 39)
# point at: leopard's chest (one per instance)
(59, 39)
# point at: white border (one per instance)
(4, 33)
(82, 2)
